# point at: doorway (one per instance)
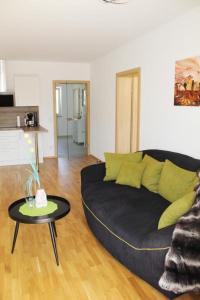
(127, 111)
(71, 114)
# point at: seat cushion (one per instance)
(129, 212)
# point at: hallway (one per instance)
(66, 144)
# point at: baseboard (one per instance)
(94, 157)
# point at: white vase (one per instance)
(40, 198)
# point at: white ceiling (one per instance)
(78, 30)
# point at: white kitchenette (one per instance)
(19, 144)
(20, 130)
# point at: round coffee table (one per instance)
(62, 210)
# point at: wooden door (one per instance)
(134, 141)
(127, 111)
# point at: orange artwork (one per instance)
(187, 82)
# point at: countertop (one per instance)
(25, 129)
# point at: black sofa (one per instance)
(125, 219)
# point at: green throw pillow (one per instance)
(176, 210)
(176, 182)
(131, 174)
(115, 160)
(152, 172)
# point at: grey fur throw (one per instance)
(182, 262)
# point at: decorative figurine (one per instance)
(40, 200)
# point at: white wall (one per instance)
(47, 72)
(163, 125)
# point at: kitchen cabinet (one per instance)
(14, 150)
(9, 147)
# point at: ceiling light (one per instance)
(115, 1)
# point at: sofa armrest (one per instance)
(93, 173)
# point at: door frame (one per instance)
(131, 73)
(87, 83)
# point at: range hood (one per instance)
(3, 80)
(6, 97)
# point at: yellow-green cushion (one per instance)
(152, 172)
(176, 210)
(131, 174)
(115, 160)
(175, 182)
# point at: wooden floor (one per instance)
(86, 271)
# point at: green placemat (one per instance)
(36, 212)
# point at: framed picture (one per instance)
(187, 82)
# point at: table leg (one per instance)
(51, 229)
(54, 228)
(15, 236)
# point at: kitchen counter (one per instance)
(25, 129)
(34, 129)
(9, 128)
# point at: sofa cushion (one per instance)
(131, 174)
(115, 160)
(175, 182)
(176, 210)
(152, 172)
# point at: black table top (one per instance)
(63, 210)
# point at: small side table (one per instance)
(62, 210)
